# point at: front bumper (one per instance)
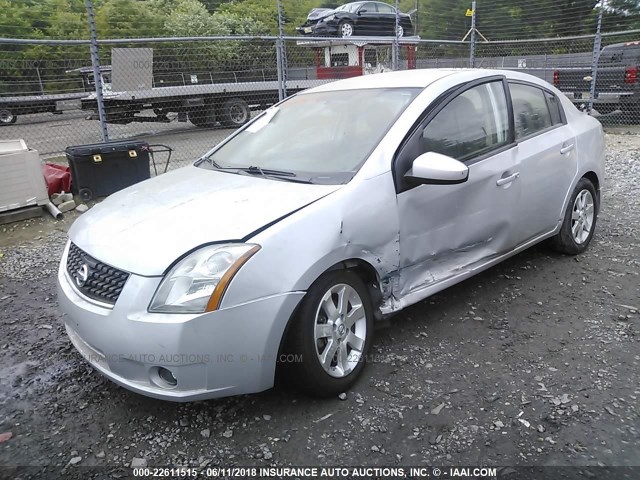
(227, 352)
(320, 29)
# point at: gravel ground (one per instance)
(532, 362)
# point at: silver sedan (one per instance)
(281, 246)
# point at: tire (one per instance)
(7, 117)
(579, 220)
(345, 29)
(314, 332)
(85, 194)
(235, 113)
(204, 116)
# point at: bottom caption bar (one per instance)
(335, 472)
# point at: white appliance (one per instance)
(22, 182)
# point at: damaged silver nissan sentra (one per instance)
(345, 203)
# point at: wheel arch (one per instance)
(367, 273)
(593, 178)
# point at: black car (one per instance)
(356, 18)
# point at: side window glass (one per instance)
(368, 7)
(474, 122)
(554, 108)
(530, 110)
(384, 8)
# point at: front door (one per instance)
(447, 229)
(367, 21)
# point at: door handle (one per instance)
(509, 179)
(567, 148)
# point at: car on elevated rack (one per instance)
(357, 18)
(341, 205)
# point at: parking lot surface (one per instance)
(535, 361)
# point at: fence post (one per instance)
(472, 46)
(97, 78)
(40, 80)
(597, 42)
(281, 58)
(395, 60)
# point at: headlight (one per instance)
(329, 18)
(197, 283)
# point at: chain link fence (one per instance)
(187, 93)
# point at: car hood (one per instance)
(318, 13)
(145, 228)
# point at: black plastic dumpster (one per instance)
(100, 169)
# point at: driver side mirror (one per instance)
(437, 169)
(360, 12)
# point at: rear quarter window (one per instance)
(555, 109)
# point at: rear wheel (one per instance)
(332, 333)
(235, 112)
(7, 117)
(579, 220)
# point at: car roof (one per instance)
(420, 78)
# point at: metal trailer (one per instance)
(205, 102)
(202, 104)
(11, 107)
(56, 103)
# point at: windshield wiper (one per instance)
(264, 172)
(278, 174)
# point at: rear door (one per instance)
(387, 16)
(546, 151)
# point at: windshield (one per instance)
(320, 137)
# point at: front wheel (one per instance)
(345, 29)
(579, 220)
(7, 117)
(332, 333)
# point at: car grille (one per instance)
(98, 281)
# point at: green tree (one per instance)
(621, 15)
(124, 18)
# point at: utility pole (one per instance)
(472, 50)
(395, 62)
(597, 43)
(281, 57)
(97, 77)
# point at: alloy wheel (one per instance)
(346, 29)
(6, 116)
(582, 216)
(340, 330)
